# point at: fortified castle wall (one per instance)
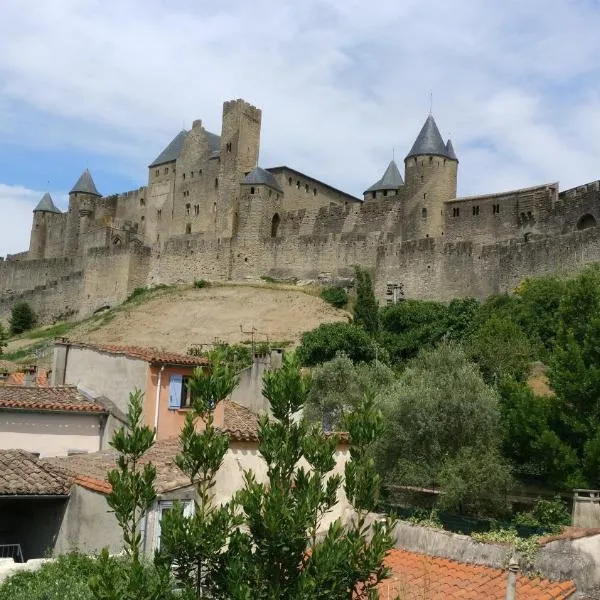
(208, 211)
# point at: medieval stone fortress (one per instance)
(209, 211)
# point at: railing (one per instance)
(11, 551)
(586, 508)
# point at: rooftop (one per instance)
(85, 185)
(46, 204)
(61, 399)
(391, 179)
(22, 474)
(429, 140)
(151, 355)
(420, 576)
(90, 470)
(259, 176)
(175, 146)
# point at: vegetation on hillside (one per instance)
(22, 318)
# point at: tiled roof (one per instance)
(420, 577)
(63, 398)
(429, 140)
(239, 422)
(259, 176)
(18, 377)
(391, 179)
(46, 204)
(22, 474)
(173, 150)
(151, 355)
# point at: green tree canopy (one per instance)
(22, 318)
(366, 310)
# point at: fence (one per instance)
(586, 508)
(11, 551)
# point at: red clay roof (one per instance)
(22, 474)
(61, 398)
(151, 355)
(423, 577)
(239, 422)
(18, 378)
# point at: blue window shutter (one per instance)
(175, 386)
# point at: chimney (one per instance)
(30, 376)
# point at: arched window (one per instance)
(586, 222)
(275, 225)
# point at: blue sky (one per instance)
(105, 85)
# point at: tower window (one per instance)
(142, 218)
(157, 172)
(298, 184)
(142, 202)
(159, 213)
(422, 179)
(252, 190)
(314, 191)
(424, 213)
(191, 173)
(184, 175)
(373, 194)
(476, 211)
(306, 188)
(456, 212)
(290, 181)
(187, 209)
(275, 225)
(216, 182)
(495, 209)
(228, 147)
(166, 170)
(425, 196)
(188, 228)
(196, 209)
(385, 192)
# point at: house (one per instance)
(51, 421)
(33, 498)
(110, 372)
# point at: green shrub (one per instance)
(335, 296)
(66, 578)
(201, 283)
(22, 318)
(550, 515)
(137, 292)
(328, 339)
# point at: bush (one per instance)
(201, 283)
(327, 340)
(335, 296)
(22, 318)
(66, 578)
(550, 515)
(3, 337)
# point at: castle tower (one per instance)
(390, 184)
(82, 198)
(41, 215)
(430, 173)
(240, 143)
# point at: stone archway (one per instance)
(586, 222)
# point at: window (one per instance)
(421, 178)
(159, 213)
(298, 184)
(290, 181)
(184, 175)
(495, 209)
(476, 211)
(228, 147)
(385, 192)
(252, 190)
(306, 188)
(187, 209)
(142, 202)
(456, 212)
(424, 213)
(142, 217)
(163, 507)
(188, 228)
(275, 225)
(425, 196)
(314, 191)
(196, 209)
(157, 172)
(191, 173)
(373, 195)
(166, 170)
(216, 182)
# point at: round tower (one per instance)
(430, 174)
(82, 198)
(39, 230)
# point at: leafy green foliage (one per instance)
(237, 356)
(339, 386)
(3, 337)
(65, 578)
(22, 318)
(329, 339)
(336, 296)
(366, 310)
(439, 416)
(201, 283)
(550, 515)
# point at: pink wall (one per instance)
(170, 421)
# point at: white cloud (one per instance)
(17, 204)
(340, 82)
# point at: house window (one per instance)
(196, 209)
(188, 228)
(456, 212)
(187, 209)
(476, 211)
(163, 507)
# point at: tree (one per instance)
(328, 339)
(339, 386)
(439, 406)
(3, 337)
(22, 318)
(366, 310)
(131, 497)
(196, 544)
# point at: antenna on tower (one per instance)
(430, 103)
(393, 153)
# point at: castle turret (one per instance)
(430, 176)
(39, 230)
(389, 185)
(82, 199)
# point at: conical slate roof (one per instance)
(46, 205)
(260, 176)
(85, 185)
(391, 179)
(429, 140)
(450, 150)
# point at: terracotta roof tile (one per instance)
(21, 473)
(18, 378)
(62, 398)
(423, 577)
(151, 355)
(239, 422)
